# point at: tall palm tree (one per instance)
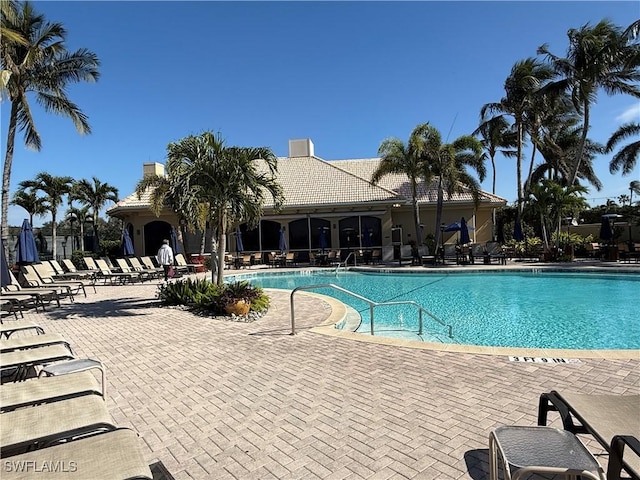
(54, 188)
(496, 137)
(634, 187)
(449, 163)
(525, 79)
(96, 195)
(398, 158)
(598, 57)
(231, 181)
(82, 216)
(34, 59)
(29, 200)
(625, 159)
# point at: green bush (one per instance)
(202, 294)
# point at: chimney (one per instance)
(301, 148)
(154, 168)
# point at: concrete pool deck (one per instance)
(232, 400)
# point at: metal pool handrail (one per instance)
(372, 305)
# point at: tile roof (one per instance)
(311, 181)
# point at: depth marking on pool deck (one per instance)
(543, 360)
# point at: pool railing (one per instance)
(372, 306)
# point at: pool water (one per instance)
(510, 309)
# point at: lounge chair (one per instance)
(183, 266)
(139, 267)
(43, 425)
(126, 268)
(109, 455)
(33, 341)
(46, 271)
(38, 294)
(47, 390)
(58, 273)
(39, 274)
(19, 364)
(613, 420)
(71, 268)
(9, 328)
(147, 262)
(113, 277)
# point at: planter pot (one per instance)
(238, 308)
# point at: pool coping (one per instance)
(339, 310)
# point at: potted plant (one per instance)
(237, 297)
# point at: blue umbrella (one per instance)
(518, 236)
(5, 278)
(127, 244)
(366, 239)
(282, 245)
(464, 232)
(173, 241)
(239, 246)
(26, 249)
(323, 239)
(606, 233)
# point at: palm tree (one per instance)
(522, 84)
(627, 156)
(398, 158)
(29, 200)
(34, 60)
(232, 182)
(96, 195)
(496, 137)
(598, 57)
(449, 162)
(54, 188)
(167, 190)
(634, 187)
(82, 216)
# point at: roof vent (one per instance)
(301, 148)
(154, 168)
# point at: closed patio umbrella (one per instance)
(282, 243)
(239, 246)
(127, 244)
(366, 238)
(323, 239)
(173, 241)
(464, 232)
(26, 249)
(518, 235)
(5, 278)
(606, 232)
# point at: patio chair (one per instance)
(9, 328)
(113, 277)
(42, 271)
(71, 268)
(613, 420)
(50, 423)
(137, 266)
(33, 341)
(108, 455)
(41, 294)
(290, 259)
(19, 365)
(147, 262)
(126, 268)
(183, 266)
(58, 273)
(47, 390)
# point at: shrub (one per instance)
(202, 294)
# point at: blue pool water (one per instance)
(516, 309)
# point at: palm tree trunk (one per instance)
(54, 232)
(416, 217)
(583, 142)
(6, 176)
(439, 205)
(493, 190)
(222, 232)
(203, 240)
(533, 156)
(519, 169)
(82, 236)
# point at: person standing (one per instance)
(165, 258)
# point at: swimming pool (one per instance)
(508, 309)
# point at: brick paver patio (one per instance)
(225, 400)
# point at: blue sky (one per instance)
(345, 74)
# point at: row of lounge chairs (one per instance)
(53, 413)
